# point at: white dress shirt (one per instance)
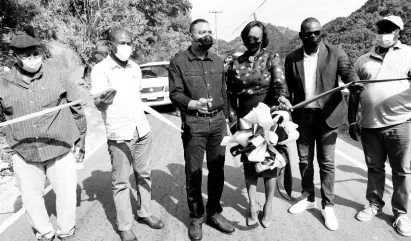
(310, 78)
(126, 113)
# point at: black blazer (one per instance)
(332, 62)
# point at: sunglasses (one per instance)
(309, 34)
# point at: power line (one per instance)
(252, 14)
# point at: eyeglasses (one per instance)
(308, 34)
(28, 55)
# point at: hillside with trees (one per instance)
(356, 32)
(159, 27)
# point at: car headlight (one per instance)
(165, 88)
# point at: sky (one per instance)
(286, 13)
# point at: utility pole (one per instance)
(215, 15)
(255, 16)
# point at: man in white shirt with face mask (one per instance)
(128, 132)
(385, 124)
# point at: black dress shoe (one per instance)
(152, 222)
(128, 236)
(47, 239)
(195, 232)
(218, 222)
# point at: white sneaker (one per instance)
(302, 205)
(331, 221)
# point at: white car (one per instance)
(155, 89)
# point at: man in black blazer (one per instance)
(311, 70)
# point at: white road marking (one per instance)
(359, 164)
(230, 185)
(19, 213)
(175, 200)
(8, 222)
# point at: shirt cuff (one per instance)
(192, 105)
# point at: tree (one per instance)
(155, 25)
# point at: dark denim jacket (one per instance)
(191, 78)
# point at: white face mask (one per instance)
(386, 40)
(32, 65)
(123, 52)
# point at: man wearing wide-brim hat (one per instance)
(385, 124)
(43, 147)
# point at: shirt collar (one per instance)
(15, 76)
(112, 64)
(397, 46)
(246, 56)
(310, 56)
(209, 55)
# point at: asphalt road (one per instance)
(96, 213)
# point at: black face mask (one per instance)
(205, 42)
(252, 43)
(252, 47)
(312, 41)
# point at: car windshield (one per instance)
(154, 71)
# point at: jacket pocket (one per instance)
(194, 78)
(217, 77)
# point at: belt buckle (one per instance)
(214, 113)
(198, 114)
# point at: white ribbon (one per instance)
(46, 111)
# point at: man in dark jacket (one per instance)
(311, 70)
(198, 90)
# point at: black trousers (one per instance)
(315, 133)
(204, 135)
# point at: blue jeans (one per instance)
(393, 142)
(204, 135)
(314, 130)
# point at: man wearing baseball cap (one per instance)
(42, 147)
(385, 123)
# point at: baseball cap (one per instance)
(23, 41)
(393, 19)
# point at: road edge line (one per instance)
(358, 164)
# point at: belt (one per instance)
(311, 110)
(205, 115)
